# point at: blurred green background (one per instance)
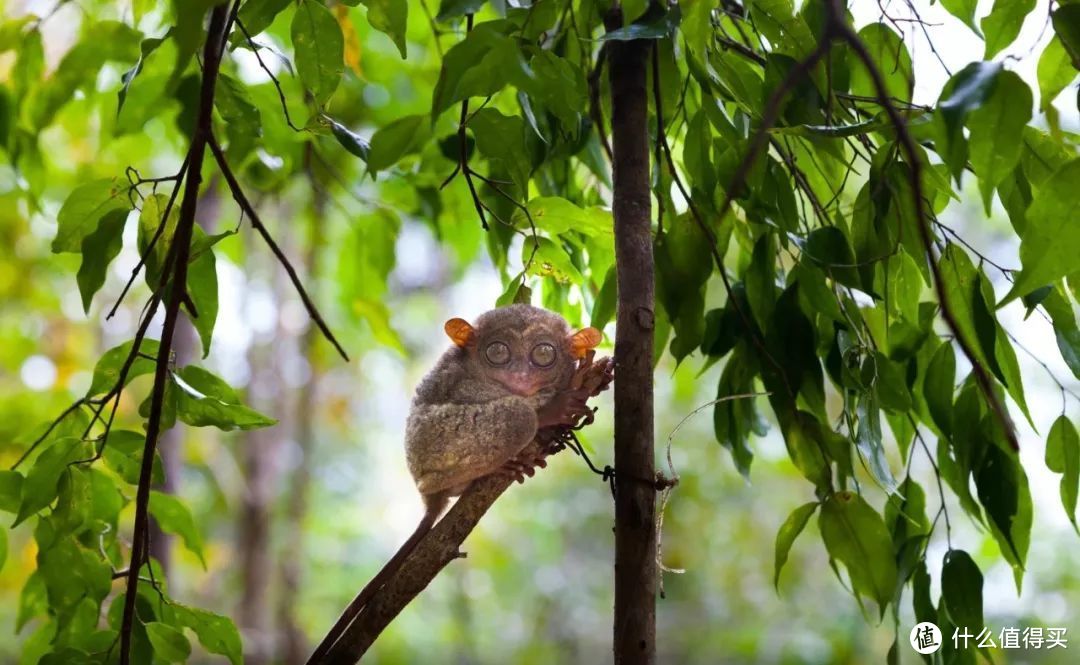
(284, 557)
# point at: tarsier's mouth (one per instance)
(522, 386)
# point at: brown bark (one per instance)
(635, 495)
(294, 646)
(261, 463)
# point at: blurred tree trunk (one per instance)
(185, 349)
(295, 648)
(268, 391)
(635, 495)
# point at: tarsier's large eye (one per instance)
(542, 355)
(497, 353)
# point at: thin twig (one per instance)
(212, 51)
(256, 221)
(839, 26)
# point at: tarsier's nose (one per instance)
(520, 383)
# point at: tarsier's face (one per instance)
(525, 349)
(524, 362)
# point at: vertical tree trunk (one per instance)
(635, 493)
(295, 645)
(267, 392)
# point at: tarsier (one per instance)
(518, 375)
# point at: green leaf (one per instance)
(150, 219)
(1003, 491)
(33, 600)
(204, 399)
(216, 633)
(939, 385)
(451, 9)
(202, 288)
(11, 483)
(1066, 20)
(1003, 23)
(967, 90)
(760, 279)
(905, 514)
(349, 140)
(785, 537)
(123, 454)
(99, 248)
(501, 138)
(84, 209)
(320, 49)
(107, 369)
(1068, 342)
(905, 286)
(855, 535)
(169, 643)
(658, 27)
(893, 61)
(549, 260)
(829, 248)
(1054, 73)
(243, 121)
(42, 481)
(174, 517)
(963, 10)
(868, 438)
(603, 310)
(3, 547)
(557, 216)
(997, 129)
(806, 446)
(961, 590)
(389, 17)
(1063, 456)
(397, 139)
(1049, 248)
(257, 15)
(479, 65)
(735, 420)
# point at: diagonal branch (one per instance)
(839, 26)
(256, 221)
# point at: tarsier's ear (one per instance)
(584, 341)
(459, 331)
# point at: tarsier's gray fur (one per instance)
(462, 423)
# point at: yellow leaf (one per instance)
(352, 41)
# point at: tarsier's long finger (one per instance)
(582, 371)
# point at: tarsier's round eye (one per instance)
(497, 353)
(542, 355)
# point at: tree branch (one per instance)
(212, 51)
(839, 26)
(256, 221)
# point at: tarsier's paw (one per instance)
(564, 409)
(521, 466)
(593, 376)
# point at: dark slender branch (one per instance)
(48, 430)
(212, 50)
(277, 84)
(179, 177)
(840, 27)
(256, 221)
